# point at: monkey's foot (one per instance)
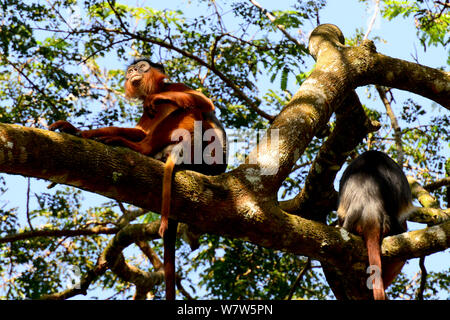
(163, 227)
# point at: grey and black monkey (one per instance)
(374, 202)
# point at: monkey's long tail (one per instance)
(170, 237)
(168, 229)
(372, 240)
(166, 192)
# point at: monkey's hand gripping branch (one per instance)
(64, 126)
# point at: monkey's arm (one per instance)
(188, 99)
(133, 134)
(163, 134)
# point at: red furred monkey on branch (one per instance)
(177, 125)
(374, 202)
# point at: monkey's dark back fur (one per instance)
(373, 189)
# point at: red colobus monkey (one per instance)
(374, 202)
(177, 122)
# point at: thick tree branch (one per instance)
(438, 184)
(431, 213)
(424, 197)
(417, 243)
(348, 281)
(318, 197)
(144, 281)
(222, 205)
(431, 83)
(338, 71)
(430, 216)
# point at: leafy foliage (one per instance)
(65, 60)
(432, 18)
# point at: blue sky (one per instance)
(401, 42)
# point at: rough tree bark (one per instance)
(243, 203)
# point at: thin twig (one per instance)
(35, 87)
(279, 26)
(223, 29)
(158, 265)
(372, 21)
(150, 254)
(28, 204)
(299, 278)
(58, 233)
(394, 123)
(182, 289)
(253, 104)
(423, 278)
(84, 284)
(113, 8)
(138, 36)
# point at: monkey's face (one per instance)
(142, 79)
(135, 73)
